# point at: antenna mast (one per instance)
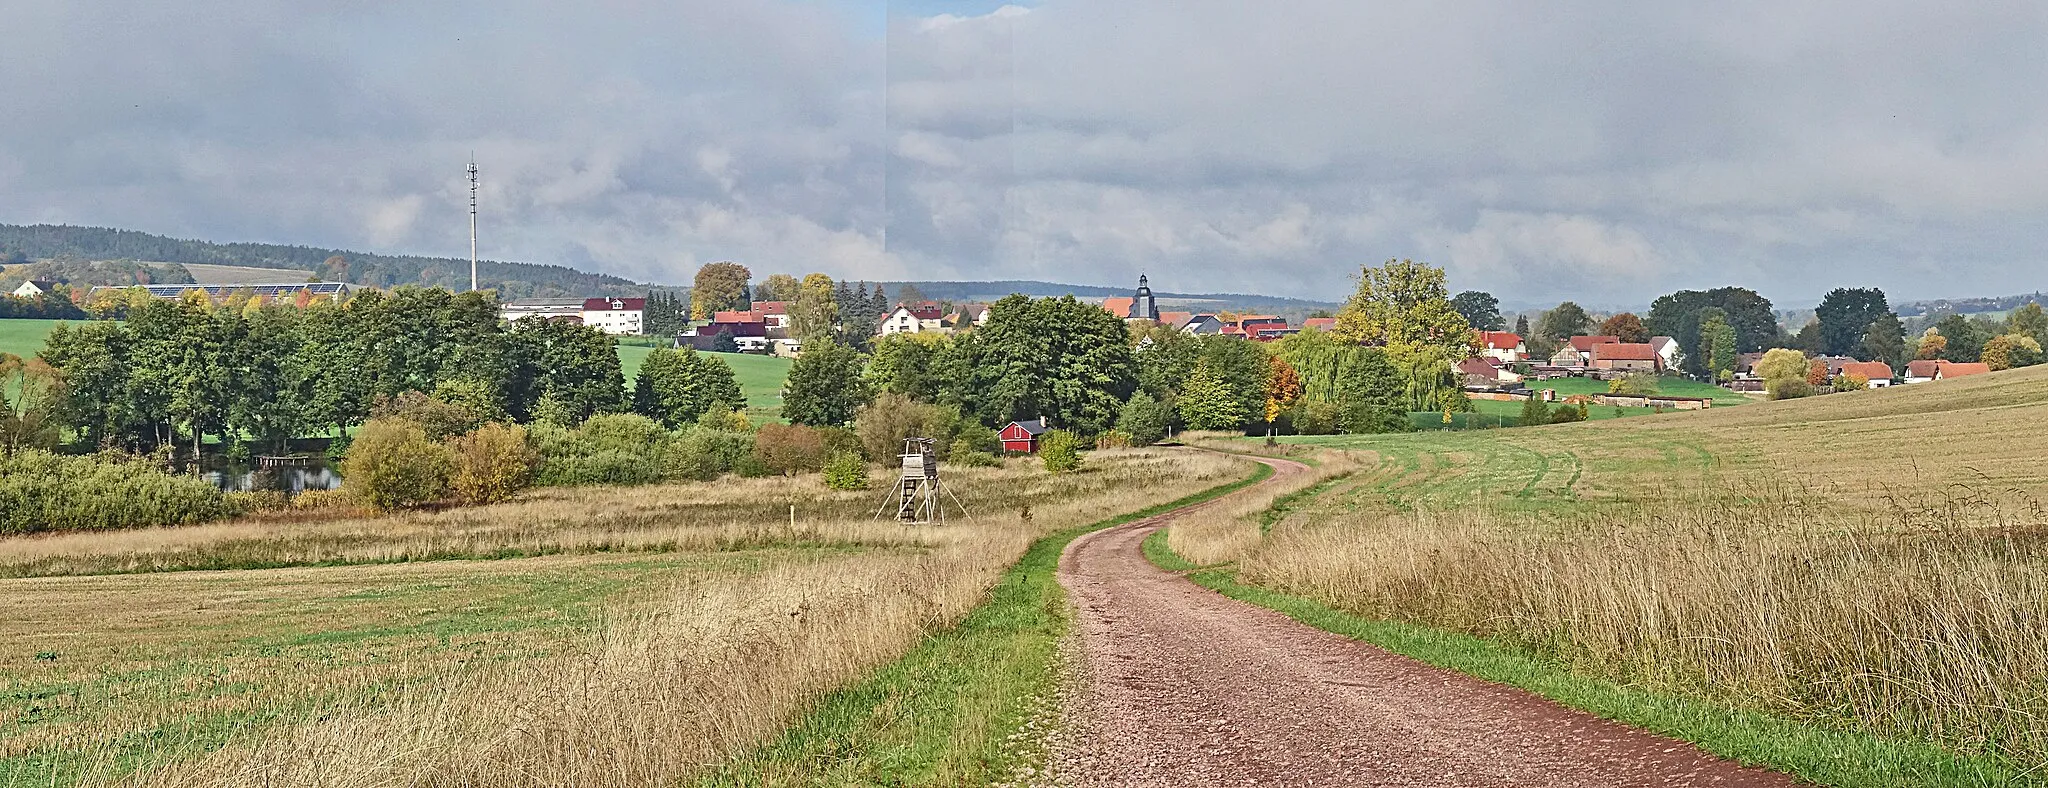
(472, 222)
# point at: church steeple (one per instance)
(1143, 306)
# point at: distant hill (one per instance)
(1969, 306)
(513, 280)
(1191, 302)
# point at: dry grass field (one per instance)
(1876, 561)
(573, 637)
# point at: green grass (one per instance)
(24, 337)
(945, 713)
(1668, 386)
(1820, 755)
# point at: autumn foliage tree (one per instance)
(1283, 389)
(719, 286)
(1626, 327)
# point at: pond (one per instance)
(311, 474)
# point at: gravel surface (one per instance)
(1181, 686)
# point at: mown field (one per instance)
(760, 377)
(573, 636)
(1874, 563)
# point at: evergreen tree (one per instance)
(1534, 411)
(1522, 326)
(1885, 341)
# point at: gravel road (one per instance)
(1181, 686)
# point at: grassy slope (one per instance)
(947, 713)
(1852, 448)
(24, 338)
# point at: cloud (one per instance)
(1538, 151)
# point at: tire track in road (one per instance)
(1182, 686)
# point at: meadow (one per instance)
(1870, 562)
(438, 648)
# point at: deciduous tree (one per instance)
(1565, 321)
(825, 387)
(677, 387)
(1207, 403)
(1845, 315)
(1625, 326)
(719, 286)
(1480, 309)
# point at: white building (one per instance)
(615, 315)
(33, 288)
(569, 309)
(911, 319)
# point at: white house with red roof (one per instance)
(1505, 347)
(615, 315)
(913, 318)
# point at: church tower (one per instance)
(1143, 307)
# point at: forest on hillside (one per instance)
(25, 243)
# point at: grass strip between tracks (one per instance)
(1815, 754)
(950, 711)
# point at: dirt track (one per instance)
(1182, 686)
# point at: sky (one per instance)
(1601, 152)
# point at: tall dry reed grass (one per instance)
(1232, 529)
(703, 672)
(1904, 623)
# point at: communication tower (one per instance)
(472, 222)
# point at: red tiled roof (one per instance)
(1320, 323)
(606, 304)
(1176, 318)
(1500, 340)
(1624, 351)
(1585, 343)
(1119, 306)
(1922, 368)
(771, 307)
(1957, 369)
(737, 316)
(1868, 370)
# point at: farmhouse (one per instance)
(913, 318)
(1584, 344)
(1480, 371)
(1319, 324)
(966, 316)
(1503, 346)
(1667, 351)
(1877, 372)
(35, 287)
(1629, 356)
(1202, 325)
(1925, 371)
(1022, 436)
(615, 315)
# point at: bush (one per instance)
(975, 438)
(789, 449)
(705, 454)
(603, 467)
(885, 423)
(846, 471)
(977, 459)
(392, 464)
(1566, 414)
(440, 420)
(1060, 451)
(1315, 417)
(1144, 419)
(491, 464)
(40, 491)
(1113, 439)
(1787, 388)
(619, 448)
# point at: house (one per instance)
(1506, 347)
(913, 318)
(1202, 325)
(1263, 328)
(1175, 319)
(552, 310)
(1877, 372)
(1481, 371)
(35, 287)
(774, 313)
(1630, 356)
(1667, 350)
(1835, 364)
(1584, 345)
(966, 316)
(1925, 370)
(749, 332)
(1022, 436)
(1745, 364)
(1319, 324)
(615, 315)
(1567, 357)
(1118, 305)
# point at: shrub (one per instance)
(602, 467)
(1060, 451)
(40, 491)
(883, 425)
(391, 464)
(973, 438)
(1787, 388)
(435, 417)
(491, 463)
(1566, 414)
(1144, 419)
(1315, 417)
(846, 471)
(705, 454)
(789, 449)
(622, 432)
(977, 459)
(725, 419)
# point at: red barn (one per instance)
(1022, 436)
